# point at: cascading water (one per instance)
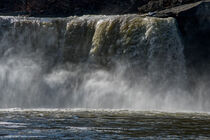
(122, 61)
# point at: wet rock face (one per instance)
(198, 43)
(194, 25)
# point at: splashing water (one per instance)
(94, 62)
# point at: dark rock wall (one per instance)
(84, 7)
(70, 7)
(194, 25)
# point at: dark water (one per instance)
(102, 124)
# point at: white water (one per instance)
(116, 62)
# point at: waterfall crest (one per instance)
(122, 61)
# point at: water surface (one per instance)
(102, 124)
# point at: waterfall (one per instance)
(122, 61)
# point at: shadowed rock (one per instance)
(194, 23)
(84, 7)
(69, 7)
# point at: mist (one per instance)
(42, 66)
